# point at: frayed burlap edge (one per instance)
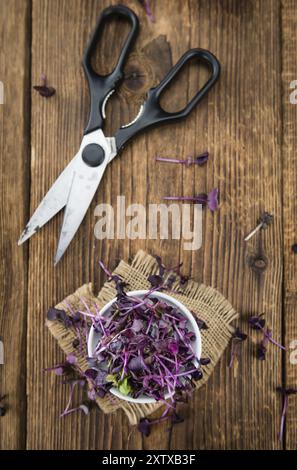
(206, 302)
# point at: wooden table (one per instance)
(249, 127)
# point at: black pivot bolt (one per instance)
(93, 155)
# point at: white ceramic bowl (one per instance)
(94, 337)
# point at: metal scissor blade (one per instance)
(113, 151)
(83, 187)
(54, 200)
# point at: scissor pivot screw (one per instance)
(93, 155)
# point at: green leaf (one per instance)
(113, 379)
(124, 387)
(159, 312)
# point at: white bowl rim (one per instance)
(182, 309)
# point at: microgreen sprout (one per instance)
(286, 392)
(189, 161)
(64, 368)
(145, 348)
(71, 375)
(237, 338)
(159, 281)
(148, 348)
(257, 322)
(263, 222)
(210, 199)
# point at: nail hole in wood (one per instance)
(258, 263)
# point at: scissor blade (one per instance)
(83, 187)
(113, 151)
(54, 200)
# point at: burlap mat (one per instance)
(207, 302)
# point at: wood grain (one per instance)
(289, 74)
(14, 176)
(240, 127)
(247, 124)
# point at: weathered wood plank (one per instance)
(239, 125)
(14, 180)
(289, 74)
(241, 128)
(57, 126)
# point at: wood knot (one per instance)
(134, 79)
(138, 75)
(258, 263)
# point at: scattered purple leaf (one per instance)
(55, 314)
(201, 323)
(44, 90)
(176, 419)
(202, 158)
(3, 408)
(239, 335)
(257, 322)
(71, 359)
(204, 361)
(261, 351)
(156, 280)
(144, 426)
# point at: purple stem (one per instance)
(182, 374)
(103, 267)
(163, 418)
(69, 411)
(167, 359)
(165, 413)
(283, 418)
(85, 314)
(275, 342)
(233, 354)
(126, 355)
(181, 337)
(149, 325)
(149, 11)
(66, 411)
(58, 366)
(169, 160)
(267, 334)
(68, 307)
(185, 161)
(98, 350)
(185, 198)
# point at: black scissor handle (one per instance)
(101, 86)
(152, 113)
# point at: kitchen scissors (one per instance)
(77, 184)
